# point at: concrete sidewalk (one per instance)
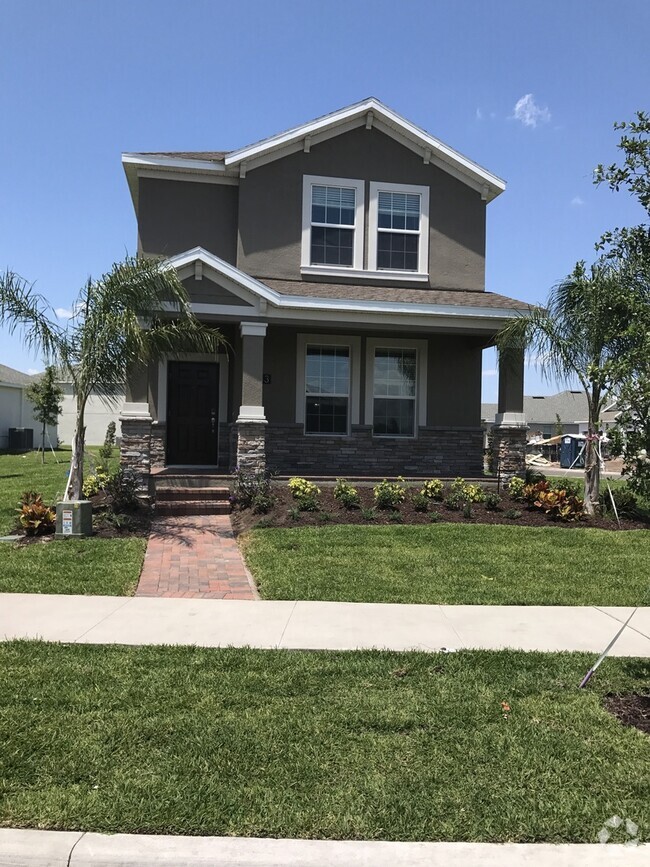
(318, 625)
(74, 849)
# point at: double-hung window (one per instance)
(327, 389)
(394, 391)
(332, 228)
(399, 228)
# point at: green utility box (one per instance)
(74, 520)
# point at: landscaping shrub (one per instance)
(262, 503)
(122, 487)
(434, 517)
(455, 501)
(559, 503)
(96, 483)
(469, 493)
(467, 510)
(106, 451)
(118, 520)
(433, 489)
(294, 513)
(246, 486)
(512, 513)
(305, 493)
(492, 501)
(389, 495)
(420, 501)
(532, 476)
(368, 514)
(35, 517)
(395, 517)
(516, 487)
(346, 494)
(626, 502)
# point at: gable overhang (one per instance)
(145, 165)
(261, 301)
(370, 113)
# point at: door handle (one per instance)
(213, 417)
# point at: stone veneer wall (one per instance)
(251, 439)
(135, 449)
(509, 450)
(435, 452)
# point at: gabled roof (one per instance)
(369, 112)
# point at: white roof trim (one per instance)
(391, 119)
(301, 302)
(146, 161)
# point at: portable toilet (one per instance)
(569, 451)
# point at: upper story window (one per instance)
(398, 228)
(332, 223)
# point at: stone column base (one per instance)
(509, 450)
(135, 449)
(251, 446)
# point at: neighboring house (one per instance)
(344, 262)
(98, 415)
(15, 410)
(542, 411)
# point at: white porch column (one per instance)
(251, 423)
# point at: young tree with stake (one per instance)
(45, 396)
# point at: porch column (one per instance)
(135, 421)
(251, 423)
(509, 431)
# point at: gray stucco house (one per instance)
(344, 261)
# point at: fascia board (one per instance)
(145, 161)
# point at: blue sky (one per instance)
(81, 81)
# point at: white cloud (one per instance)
(529, 113)
(577, 201)
(63, 313)
(491, 372)
(479, 114)
(32, 370)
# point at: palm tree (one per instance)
(582, 333)
(135, 313)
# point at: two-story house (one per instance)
(344, 262)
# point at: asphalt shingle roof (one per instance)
(354, 292)
(15, 377)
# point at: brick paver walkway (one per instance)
(194, 556)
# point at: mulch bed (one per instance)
(138, 524)
(632, 709)
(331, 512)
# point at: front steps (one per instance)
(195, 494)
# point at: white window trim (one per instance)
(423, 247)
(359, 222)
(221, 359)
(355, 374)
(421, 348)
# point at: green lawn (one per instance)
(108, 567)
(102, 567)
(452, 563)
(25, 472)
(361, 745)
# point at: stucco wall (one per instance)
(98, 415)
(453, 375)
(174, 216)
(270, 207)
(16, 411)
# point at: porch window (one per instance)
(394, 390)
(327, 389)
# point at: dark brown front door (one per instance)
(192, 412)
